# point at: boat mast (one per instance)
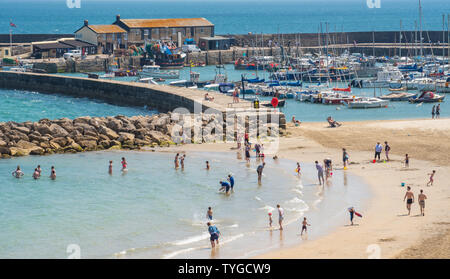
(420, 32)
(400, 41)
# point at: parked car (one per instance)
(190, 48)
(72, 54)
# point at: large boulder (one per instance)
(24, 130)
(88, 144)
(114, 124)
(83, 119)
(57, 131)
(126, 137)
(108, 132)
(43, 129)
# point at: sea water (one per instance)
(20, 106)
(228, 16)
(156, 211)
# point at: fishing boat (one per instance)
(166, 56)
(427, 97)
(155, 72)
(364, 103)
(398, 96)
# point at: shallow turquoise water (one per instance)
(155, 211)
(20, 106)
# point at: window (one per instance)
(174, 31)
(146, 32)
(157, 31)
(113, 36)
(6, 52)
(125, 36)
(201, 30)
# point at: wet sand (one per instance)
(385, 226)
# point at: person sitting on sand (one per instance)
(208, 98)
(333, 123)
(295, 121)
(18, 172)
(422, 197)
(430, 183)
(409, 197)
(304, 224)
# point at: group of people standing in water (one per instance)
(18, 173)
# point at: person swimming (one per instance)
(110, 168)
(39, 170)
(53, 173)
(18, 172)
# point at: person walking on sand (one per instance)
(214, 234)
(209, 213)
(438, 111)
(351, 210)
(430, 183)
(259, 171)
(320, 173)
(176, 160)
(110, 168)
(345, 157)
(409, 197)
(406, 161)
(421, 198)
(304, 224)
(433, 111)
(378, 149)
(280, 216)
(387, 148)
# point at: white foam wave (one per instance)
(190, 240)
(267, 208)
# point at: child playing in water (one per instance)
(124, 164)
(270, 219)
(304, 224)
(431, 178)
(53, 173)
(176, 160)
(209, 214)
(298, 169)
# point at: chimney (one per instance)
(86, 22)
(117, 17)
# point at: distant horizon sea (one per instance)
(229, 17)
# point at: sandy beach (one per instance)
(385, 231)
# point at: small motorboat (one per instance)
(155, 72)
(398, 96)
(427, 97)
(365, 103)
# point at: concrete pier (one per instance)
(164, 98)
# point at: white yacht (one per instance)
(155, 72)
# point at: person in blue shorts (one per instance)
(231, 179)
(209, 213)
(225, 186)
(215, 233)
